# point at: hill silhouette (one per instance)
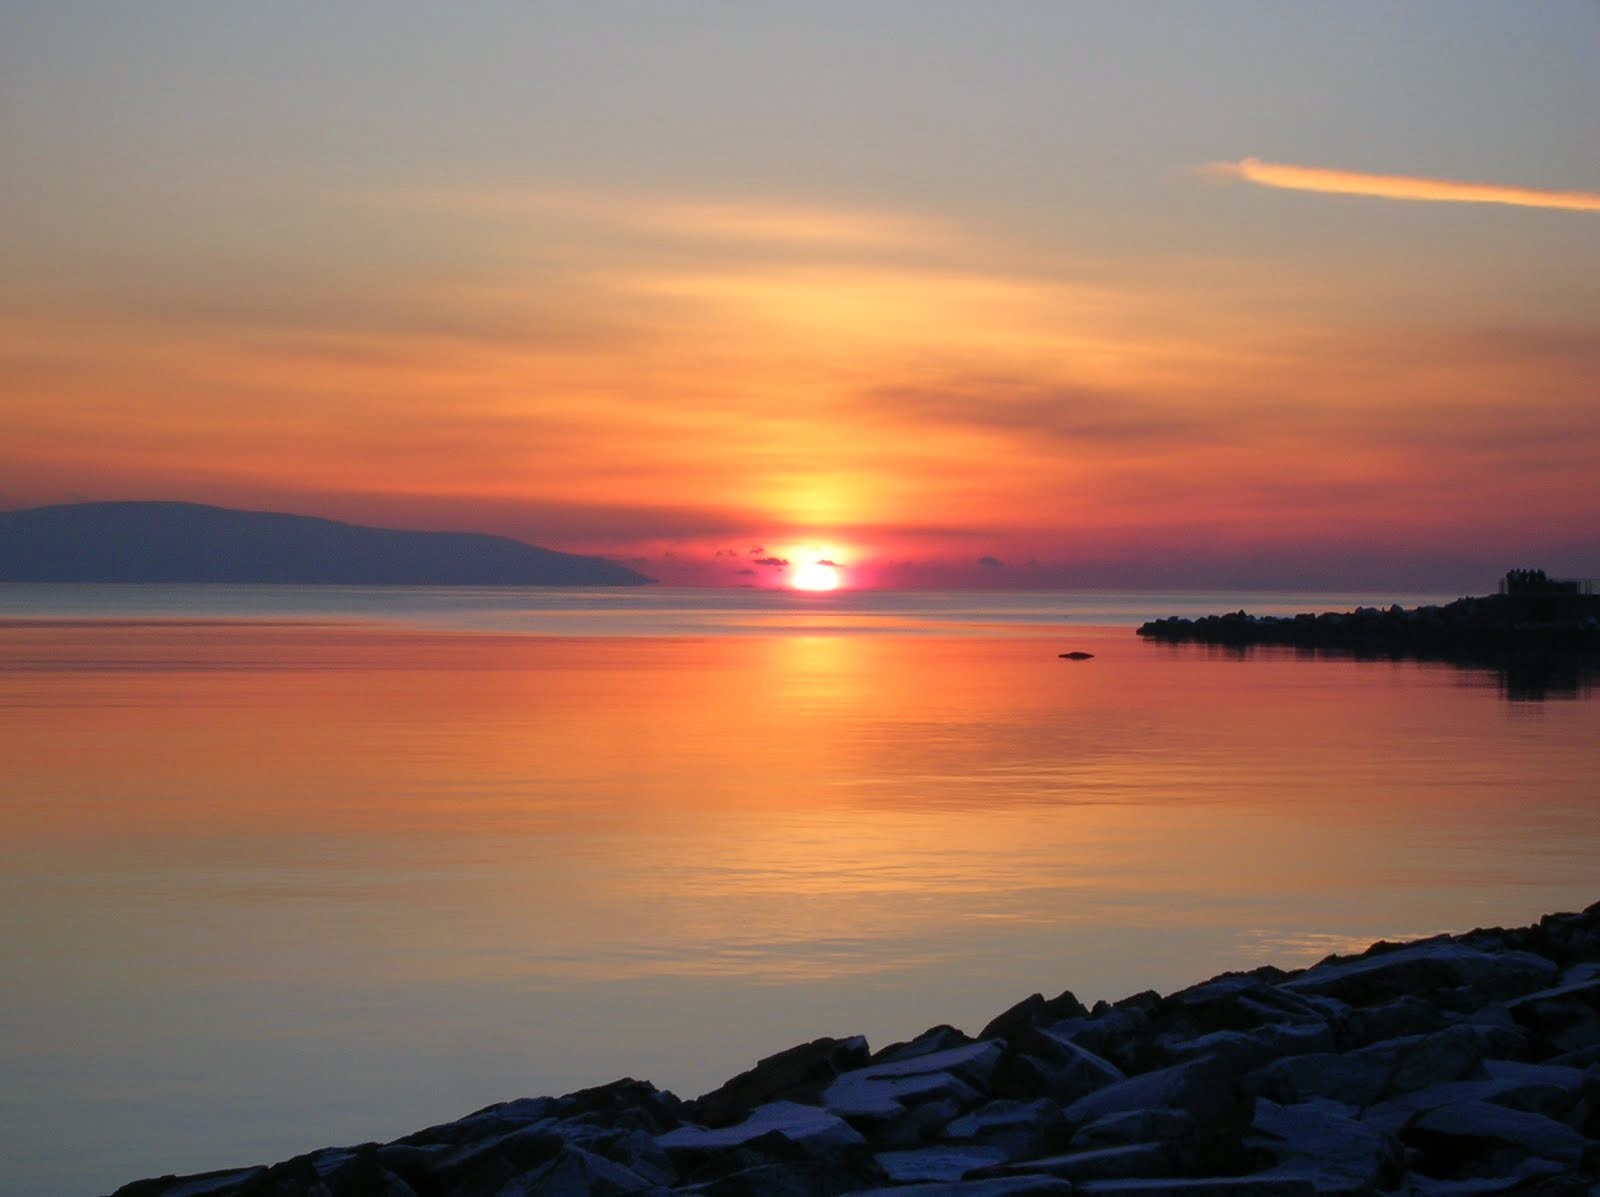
(190, 542)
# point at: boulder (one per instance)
(1034, 1010)
(1563, 1018)
(1236, 1002)
(637, 1151)
(867, 1096)
(1477, 1138)
(937, 1163)
(221, 1183)
(578, 1173)
(917, 1127)
(637, 1103)
(1531, 1178)
(884, 1090)
(1114, 1032)
(1204, 1088)
(1040, 1063)
(1407, 1014)
(765, 1179)
(1370, 1074)
(1102, 1163)
(1022, 1129)
(813, 1130)
(797, 1074)
(1128, 1127)
(1245, 1051)
(1386, 972)
(935, 1039)
(491, 1162)
(1320, 1140)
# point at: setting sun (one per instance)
(816, 575)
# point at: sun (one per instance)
(816, 575)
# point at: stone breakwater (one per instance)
(1467, 629)
(1458, 1066)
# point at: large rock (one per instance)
(222, 1183)
(1387, 972)
(1038, 1062)
(1550, 1090)
(1370, 1074)
(1408, 1014)
(1130, 1127)
(1237, 1002)
(869, 1098)
(935, 1039)
(797, 1074)
(917, 1127)
(1476, 1138)
(1103, 1163)
(1022, 1129)
(1245, 1051)
(1032, 1011)
(1203, 1088)
(1563, 1018)
(883, 1091)
(810, 1128)
(1319, 1139)
(938, 1163)
(578, 1173)
(491, 1162)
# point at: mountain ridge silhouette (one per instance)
(178, 542)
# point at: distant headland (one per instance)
(1531, 613)
(190, 542)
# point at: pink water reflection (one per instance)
(326, 882)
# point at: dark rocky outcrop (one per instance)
(1542, 638)
(1453, 1066)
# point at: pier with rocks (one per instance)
(1456, 1066)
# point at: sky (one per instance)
(1000, 294)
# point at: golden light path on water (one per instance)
(300, 883)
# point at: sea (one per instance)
(286, 867)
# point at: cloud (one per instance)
(731, 221)
(780, 562)
(1402, 187)
(825, 561)
(1103, 417)
(991, 562)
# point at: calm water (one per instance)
(285, 867)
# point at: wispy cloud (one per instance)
(735, 221)
(1402, 187)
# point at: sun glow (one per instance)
(816, 575)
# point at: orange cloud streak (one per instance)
(1402, 187)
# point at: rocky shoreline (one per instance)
(1457, 1066)
(1486, 629)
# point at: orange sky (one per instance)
(438, 305)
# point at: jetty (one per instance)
(1455, 1066)
(1531, 614)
